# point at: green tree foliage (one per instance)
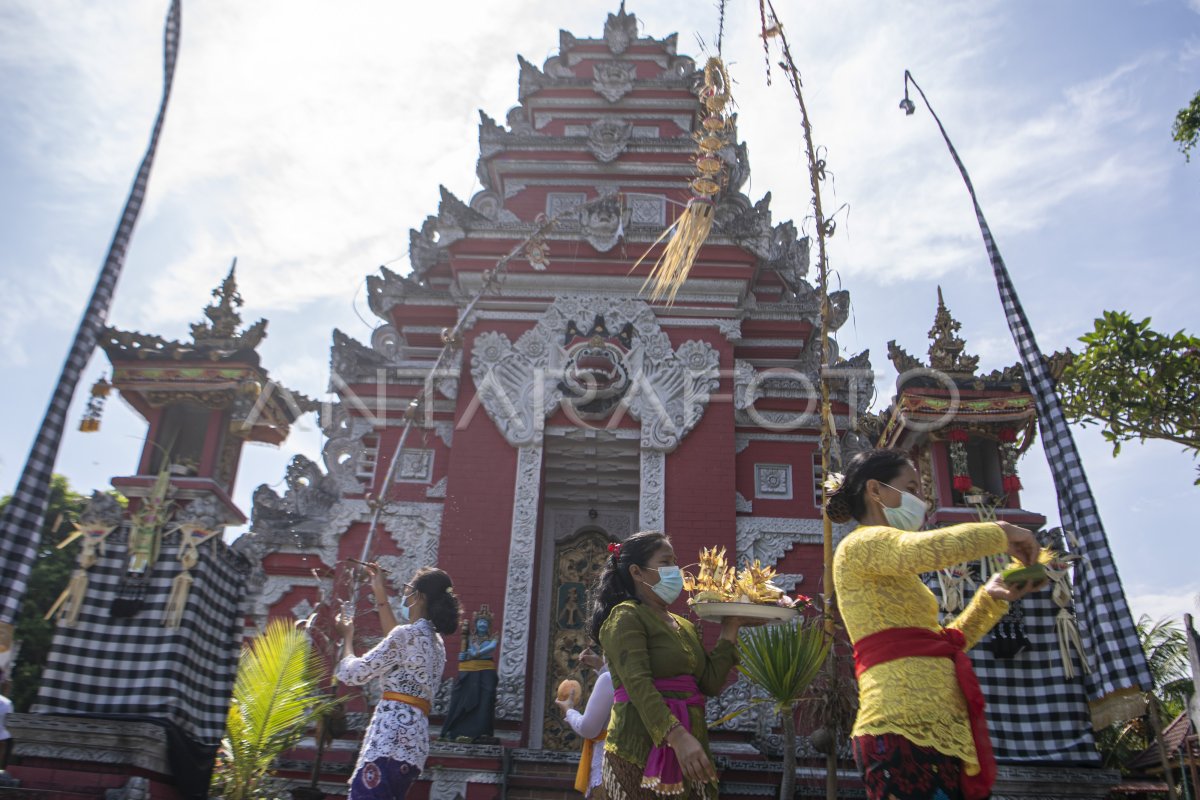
(1136, 383)
(46, 581)
(783, 660)
(1186, 129)
(1165, 645)
(277, 694)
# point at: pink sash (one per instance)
(663, 774)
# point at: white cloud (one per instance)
(1156, 603)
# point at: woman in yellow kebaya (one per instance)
(920, 732)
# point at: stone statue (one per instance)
(472, 711)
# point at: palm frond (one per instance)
(276, 694)
(783, 660)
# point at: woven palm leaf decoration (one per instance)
(690, 231)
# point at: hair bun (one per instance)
(838, 508)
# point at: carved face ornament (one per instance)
(595, 376)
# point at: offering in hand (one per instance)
(1018, 574)
(569, 690)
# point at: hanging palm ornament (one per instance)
(95, 406)
(691, 230)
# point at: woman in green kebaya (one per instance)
(657, 741)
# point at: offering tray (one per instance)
(715, 612)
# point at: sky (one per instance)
(306, 139)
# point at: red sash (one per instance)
(892, 643)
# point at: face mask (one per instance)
(670, 584)
(909, 515)
(405, 611)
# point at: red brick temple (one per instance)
(573, 412)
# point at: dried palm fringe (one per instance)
(71, 600)
(177, 601)
(688, 235)
(1068, 637)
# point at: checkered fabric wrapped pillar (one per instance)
(1035, 715)
(21, 522)
(1105, 624)
(137, 667)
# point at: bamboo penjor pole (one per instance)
(824, 229)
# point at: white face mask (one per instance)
(910, 514)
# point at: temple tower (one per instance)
(148, 633)
(573, 413)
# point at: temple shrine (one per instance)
(565, 413)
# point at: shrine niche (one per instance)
(577, 562)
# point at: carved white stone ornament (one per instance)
(519, 384)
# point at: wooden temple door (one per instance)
(577, 562)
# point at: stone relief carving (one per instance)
(416, 466)
(438, 490)
(608, 138)
(387, 341)
(520, 384)
(518, 592)
(620, 31)
(612, 80)
(343, 450)
(769, 538)
(773, 481)
(741, 505)
(415, 529)
(731, 329)
(603, 224)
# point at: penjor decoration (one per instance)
(691, 229)
(22, 518)
(1119, 668)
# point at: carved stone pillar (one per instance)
(652, 514)
(518, 592)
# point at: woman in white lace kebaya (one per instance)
(409, 663)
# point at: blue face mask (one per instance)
(909, 515)
(670, 583)
(405, 611)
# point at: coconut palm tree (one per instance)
(277, 694)
(1165, 645)
(782, 660)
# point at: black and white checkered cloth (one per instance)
(1105, 623)
(1035, 715)
(21, 522)
(136, 667)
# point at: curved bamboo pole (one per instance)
(826, 412)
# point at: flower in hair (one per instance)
(833, 483)
(615, 549)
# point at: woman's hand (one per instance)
(731, 625)
(564, 706)
(344, 623)
(1021, 543)
(997, 588)
(378, 582)
(692, 758)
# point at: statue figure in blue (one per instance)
(472, 711)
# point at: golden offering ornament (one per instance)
(719, 590)
(689, 232)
